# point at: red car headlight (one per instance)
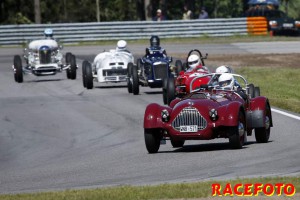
(165, 116)
(213, 114)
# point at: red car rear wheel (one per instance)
(262, 135)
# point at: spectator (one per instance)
(159, 16)
(187, 14)
(203, 14)
(270, 6)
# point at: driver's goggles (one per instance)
(193, 62)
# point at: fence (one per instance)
(82, 32)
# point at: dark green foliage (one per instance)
(60, 11)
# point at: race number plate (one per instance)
(190, 128)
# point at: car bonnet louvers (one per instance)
(189, 116)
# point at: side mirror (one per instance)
(205, 57)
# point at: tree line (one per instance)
(70, 11)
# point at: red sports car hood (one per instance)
(203, 103)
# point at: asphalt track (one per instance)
(54, 134)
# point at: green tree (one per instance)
(69, 11)
(16, 11)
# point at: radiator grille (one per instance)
(189, 116)
(160, 71)
(114, 72)
(45, 56)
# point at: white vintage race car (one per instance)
(107, 67)
(44, 57)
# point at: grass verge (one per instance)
(164, 191)
(280, 85)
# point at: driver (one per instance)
(48, 32)
(228, 82)
(155, 47)
(224, 69)
(122, 46)
(195, 65)
(220, 70)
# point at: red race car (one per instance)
(180, 86)
(223, 108)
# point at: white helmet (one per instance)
(121, 45)
(224, 69)
(193, 61)
(226, 81)
(48, 32)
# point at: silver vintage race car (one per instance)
(108, 66)
(44, 57)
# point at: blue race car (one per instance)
(149, 71)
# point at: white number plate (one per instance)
(288, 25)
(190, 128)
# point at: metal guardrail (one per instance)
(95, 31)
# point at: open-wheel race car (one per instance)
(43, 58)
(107, 67)
(150, 70)
(179, 86)
(223, 108)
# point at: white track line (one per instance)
(286, 114)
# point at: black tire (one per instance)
(135, 80)
(73, 67)
(237, 134)
(68, 57)
(139, 64)
(164, 90)
(152, 140)
(89, 76)
(68, 73)
(178, 67)
(170, 90)
(18, 74)
(129, 77)
(256, 91)
(262, 135)
(251, 90)
(68, 62)
(177, 143)
(84, 64)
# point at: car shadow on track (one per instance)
(154, 92)
(206, 147)
(43, 80)
(110, 86)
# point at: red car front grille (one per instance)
(189, 116)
